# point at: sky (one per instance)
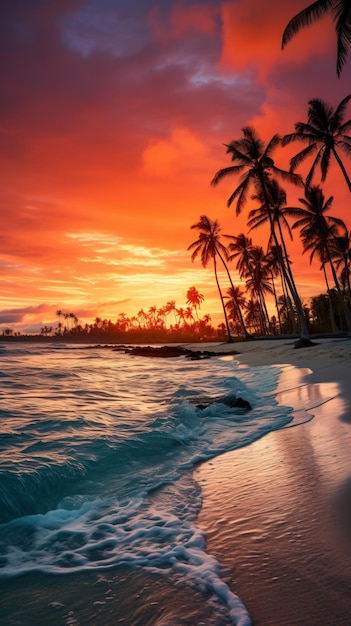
(114, 119)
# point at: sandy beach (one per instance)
(278, 513)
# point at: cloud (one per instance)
(115, 115)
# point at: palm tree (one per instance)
(181, 315)
(253, 315)
(341, 255)
(340, 11)
(253, 161)
(188, 315)
(278, 212)
(325, 133)
(59, 314)
(257, 283)
(317, 231)
(240, 248)
(142, 317)
(194, 299)
(235, 302)
(170, 307)
(209, 246)
(275, 271)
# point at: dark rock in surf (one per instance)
(231, 401)
(163, 351)
(304, 343)
(173, 351)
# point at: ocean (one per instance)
(98, 502)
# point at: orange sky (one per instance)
(114, 115)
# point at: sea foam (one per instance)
(97, 459)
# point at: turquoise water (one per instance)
(97, 449)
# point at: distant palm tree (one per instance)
(325, 133)
(59, 314)
(341, 255)
(253, 315)
(152, 312)
(188, 314)
(194, 298)
(238, 306)
(317, 231)
(275, 271)
(240, 248)
(181, 315)
(142, 318)
(209, 246)
(170, 307)
(340, 11)
(258, 283)
(253, 162)
(235, 302)
(277, 209)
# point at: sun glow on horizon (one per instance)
(115, 123)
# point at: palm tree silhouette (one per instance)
(341, 255)
(325, 133)
(253, 161)
(170, 307)
(235, 302)
(317, 231)
(275, 271)
(240, 248)
(209, 246)
(258, 283)
(194, 299)
(277, 209)
(59, 314)
(340, 11)
(279, 212)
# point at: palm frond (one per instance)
(240, 192)
(343, 32)
(310, 174)
(301, 156)
(226, 171)
(290, 177)
(272, 144)
(340, 112)
(305, 18)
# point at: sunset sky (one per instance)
(114, 117)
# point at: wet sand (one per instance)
(278, 513)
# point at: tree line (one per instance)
(325, 237)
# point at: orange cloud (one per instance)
(114, 124)
(168, 157)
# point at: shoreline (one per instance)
(283, 535)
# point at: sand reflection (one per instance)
(285, 507)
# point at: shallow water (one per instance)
(97, 451)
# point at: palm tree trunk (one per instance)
(342, 167)
(344, 308)
(331, 309)
(347, 272)
(266, 316)
(230, 338)
(291, 285)
(289, 307)
(247, 336)
(276, 303)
